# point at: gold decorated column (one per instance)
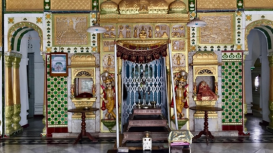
(44, 107)
(270, 59)
(8, 96)
(16, 94)
(244, 96)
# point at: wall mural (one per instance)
(219, 29)
(71, 30)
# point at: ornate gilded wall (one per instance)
(258, 4)
(216, 4)
(24, 5)
(69, 5)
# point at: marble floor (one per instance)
(259, 141)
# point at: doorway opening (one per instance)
(257, 77)
(31, 85)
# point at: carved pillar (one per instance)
(9, 105)
(16, 94)
(44, 106)
(244, 97)
(270, 59)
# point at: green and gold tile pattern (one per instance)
(56, 99)
(232, 94)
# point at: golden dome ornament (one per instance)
(177, 6)
(109, 7)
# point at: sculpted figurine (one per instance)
(180, 96)
(135, 32)
(205, 93)
(108, 98)
(142, 33)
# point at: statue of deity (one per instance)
(178, 60)
(180, 97)
(205, 93)
(142, 33)
(108, 98)
(135, 32)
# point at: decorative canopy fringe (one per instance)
(141, 56)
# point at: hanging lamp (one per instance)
(96, 28)
(196, 22)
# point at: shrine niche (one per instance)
(178, 45)
(83, 80)
(108, 46)
(205, 81)
(161, 31)
(70, 30)
(108, 62)
(178, 31)
(219, 29)
(179, 61)
(125, 31)
(110, 31)
(142, 31)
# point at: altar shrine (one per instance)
(143, 73)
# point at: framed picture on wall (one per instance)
(58, 64)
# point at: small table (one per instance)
(206, 131)
(83, 130)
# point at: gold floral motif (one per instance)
(48, 16)
(252, 4)
(71, 5)
(39, 20)
(239, 47)
(219, 29)
(248, 17)
(217, 5)
(11, 20)
(25, 5)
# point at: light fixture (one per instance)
(196, 22)
(96, 28)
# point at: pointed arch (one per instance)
(18, 30)
(265, 26)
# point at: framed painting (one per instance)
(58, 64)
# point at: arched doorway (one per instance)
(25, 42)
(257, 78)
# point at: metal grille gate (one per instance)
(146, 81)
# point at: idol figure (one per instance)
(180, 97)
(108, 98)
(205, 93)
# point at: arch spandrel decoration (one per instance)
(12, 32)
(254, 24)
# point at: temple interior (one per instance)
(134, 75)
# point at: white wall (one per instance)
(23, 80)
(38, 73)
